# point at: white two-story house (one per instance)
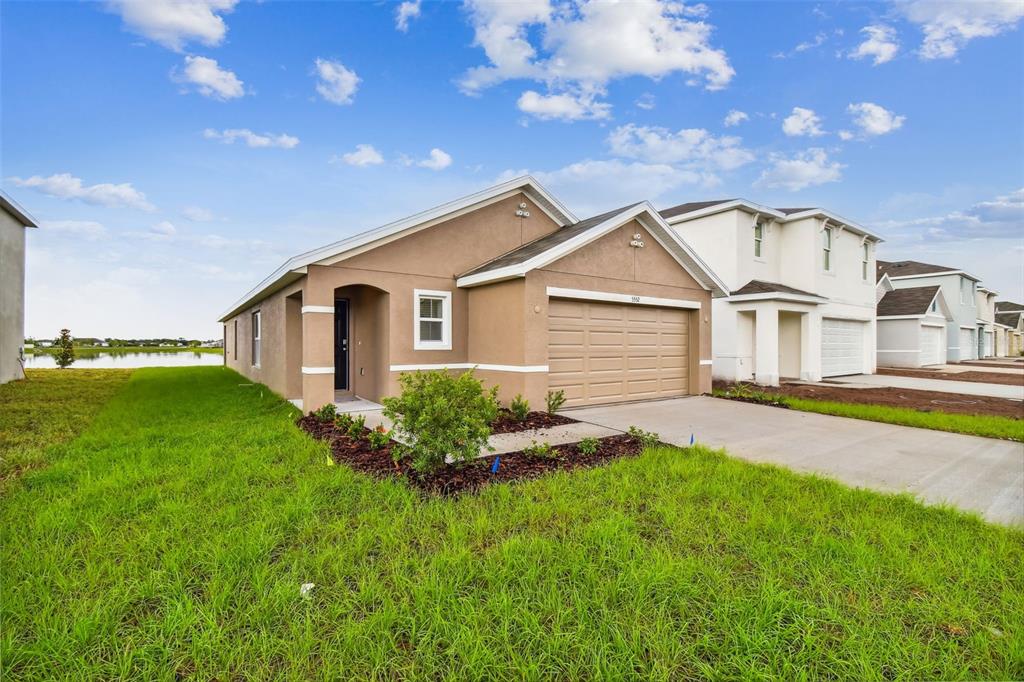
(985, 301)
(958, 291)
(802, 289)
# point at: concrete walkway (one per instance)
(926, 384)
(976, 474)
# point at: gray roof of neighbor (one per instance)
(911, 301)
(538, 246)
(790, 211)
(692, 206)
(903, 268)
(1010, 318)
(756, 286)
(1007, 306)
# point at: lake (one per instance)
(128, 360)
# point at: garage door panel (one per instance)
(606, 338)
(842, 347)
(931, 345)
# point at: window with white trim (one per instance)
(257, 330)
(865, 259)
(826, 252)
(433, 320)
(758, 238)
(965, 292)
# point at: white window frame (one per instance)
(826, 249)
(865, 260)
(759, 240)
(257, 334)
(446, 320)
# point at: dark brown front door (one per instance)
(341, 327)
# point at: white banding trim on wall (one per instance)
(318, 370)
(471, 365)
(707, 362)
(909, 350)
(585, 295)
(317, 309)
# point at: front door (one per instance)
(341, 327)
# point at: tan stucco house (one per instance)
(616, 307)
(14, 220)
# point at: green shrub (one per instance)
(588, 446)
(520, 408)
(378, 438)
(326, 413)
(555, 400)
(343, 421)
(356, 426)
(439, 415)
(540, 450)
(647, 438)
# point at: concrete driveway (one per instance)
(977, 474)
(927, 384)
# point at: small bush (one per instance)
(588, 446)
(439, 415)
(343, 421)
(647, 438)
(356, 426)
(326, 413)
(65, 349)
(540, 450)
(555, 400)
(378, 438)
(520, 408)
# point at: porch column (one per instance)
(317, 342)
(810, 346)
(766, 342)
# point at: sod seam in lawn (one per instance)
(172, 536)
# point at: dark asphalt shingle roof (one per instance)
(910, 301)
(790, 211)
(1010, 318)
(903, 268)
(692, 206)
(756, 286)
(1007, 306)
(527, 251)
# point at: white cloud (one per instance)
(880, 44)
(818, 40)
(210, 80)
(845, 135)
(198, 214)
(438, 160)
(646, 101)
(252, 139)
(583, 46)
(949, 26)
(700, 150)
(565, 107)
(734, 118)
(337, 84)
(364, 155)
(67, 186)
(1000, 217)
(408, 10)
(873, 120)
(86, 229)
(805, 169)
(173, 23)
(164, 228)
(802, 122)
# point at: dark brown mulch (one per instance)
(926, 401)
(976, 377)
(506, 423)
(454, 479)
(1008, 363)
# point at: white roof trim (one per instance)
(15, 209)
(299, 263)
(937, 274)
(668, 239)
(778, 296)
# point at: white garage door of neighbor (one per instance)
(988, 344)
(966, 345)
(932, 352)
(842, 347)
(609, 352)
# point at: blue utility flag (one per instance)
(691, 439)
(497, 463)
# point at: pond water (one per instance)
(129, 360)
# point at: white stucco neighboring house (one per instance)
(802, 289)
(985, 301)
(1010, 316)
(958, 290)
(911, 325)
(14, 220)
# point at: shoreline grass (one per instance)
(92, 351)
(171, 537)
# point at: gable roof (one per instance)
(1010, 318)
(699, 209)
(1006, 306)
(561, 242)
(756, 286)
(909, 301)
(8, 204)
(913, 268)
(295, 267)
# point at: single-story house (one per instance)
(612, 308)
(911, 325)
(14, 220)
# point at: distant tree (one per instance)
(66, 355)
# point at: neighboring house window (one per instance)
(758, 238)
(864, 258)
(256, 333)
(433, 323)
(827, 249)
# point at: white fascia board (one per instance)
(778, 296)
(882, 318)
(944, 273)
(848, 224)
(588, 295)
(885, 283)
(17, 210)
(742, 204)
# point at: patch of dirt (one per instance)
(976, 377)
(468, 477)
(925, 401)
(506, 423)
(1008, 364)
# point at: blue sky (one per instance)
(177, 152)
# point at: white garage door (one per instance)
(609, 352)
(842, 347)
(932, 352)
(966, 344)
(988, 345)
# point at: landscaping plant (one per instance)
(343, 421)
(439, 415)
(356, 426)
(555, 400)
(66, 349)
(588, 446)
(540, 450)
(326, 412)
(378, 438)
(520, 408)
(647, 438)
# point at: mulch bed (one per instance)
(1008, 364)
(506, 423)
(972, 376)
(468, 477)
(926, 401)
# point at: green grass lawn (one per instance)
(171, 537)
